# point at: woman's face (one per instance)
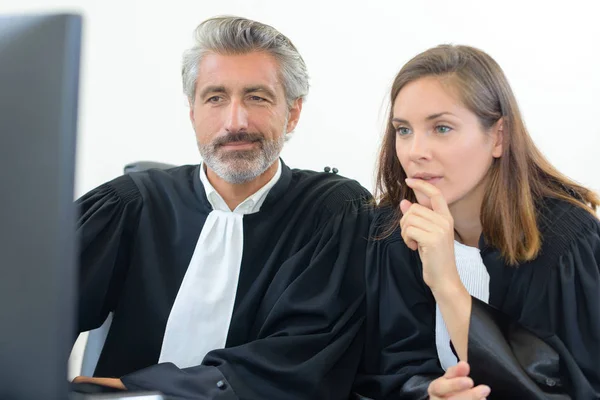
(441, 141)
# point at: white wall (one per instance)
(132, 106)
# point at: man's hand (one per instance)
(456, 385)
(108, 382)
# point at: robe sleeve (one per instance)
(550, 349)
(400, 358)
(310, 343)
(108, 219)
(553, 349)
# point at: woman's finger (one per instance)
(477, 393)
(460, 369)
(405, 205)
(416, 221)
(412, 233)
(430, 215)
(438, 202)
(444, 387)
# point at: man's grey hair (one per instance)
(234, 35)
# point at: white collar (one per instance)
(250, 205)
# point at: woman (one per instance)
(481, 251)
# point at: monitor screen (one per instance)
(39, 84)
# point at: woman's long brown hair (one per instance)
(517, 181)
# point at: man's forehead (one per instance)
(239, 72)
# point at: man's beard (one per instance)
(241, 166)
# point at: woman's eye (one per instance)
(402, 131)
(442, 129)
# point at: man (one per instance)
(238, 278)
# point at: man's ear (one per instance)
(192, 117)
(294, 115)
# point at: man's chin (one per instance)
(239, 176)
(239, 167)
(229, 155)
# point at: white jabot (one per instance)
(474, 276)
(201, 314)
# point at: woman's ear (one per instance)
(498, 138)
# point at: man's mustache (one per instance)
(238, 137)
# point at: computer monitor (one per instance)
(39, 79)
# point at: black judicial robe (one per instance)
(539, 337)
(296, 329)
